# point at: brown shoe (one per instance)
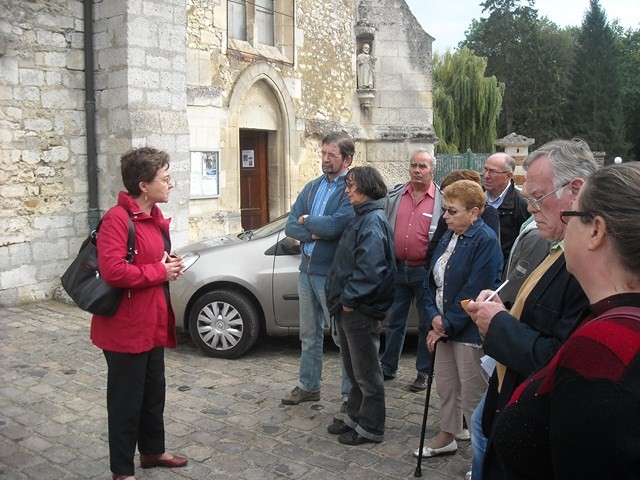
(297, 395)
(150, 461)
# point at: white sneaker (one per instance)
(467, 476)
(464, 435)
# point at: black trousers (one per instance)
(136, 389)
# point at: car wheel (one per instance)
(224, 324)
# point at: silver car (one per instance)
(237, 286)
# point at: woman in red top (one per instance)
(133, 339)
(579, 416)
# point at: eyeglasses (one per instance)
(536, 203)
(492, 171)
(349, 184)
(166, 180)
(573, 213)
(452, 211)
(331, 155)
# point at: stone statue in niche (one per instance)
(366, 67)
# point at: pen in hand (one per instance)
(490, 297)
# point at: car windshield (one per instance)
(265, 230)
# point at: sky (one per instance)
(447, 20)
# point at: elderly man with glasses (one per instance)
(545, 310)
(504, 196)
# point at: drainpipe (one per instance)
(90, 116)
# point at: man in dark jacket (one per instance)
(504, 196)
(545, 310)
(317, 219)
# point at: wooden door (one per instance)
(254, 208)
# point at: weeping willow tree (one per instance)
(466, 103)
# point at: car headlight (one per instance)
(189, 259)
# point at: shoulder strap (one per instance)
(130, 242)
(625, 311)
(131, 238)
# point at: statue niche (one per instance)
(366, 68)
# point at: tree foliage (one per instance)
(505, 38)
(466, 103)
(629, 46)
(594, 111)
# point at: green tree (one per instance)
(466, 103)
(629, 46)
(595, 110)
(543, 82)
(505, 38)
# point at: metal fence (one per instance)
(448, 162)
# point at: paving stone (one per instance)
(226, 416)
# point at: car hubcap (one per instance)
(220, 325)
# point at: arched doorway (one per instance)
(260, 123)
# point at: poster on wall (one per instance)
(248, 159)
(205, 168)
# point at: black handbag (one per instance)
(84, 284)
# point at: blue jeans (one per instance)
(409, 287)
(313, 316)
(360, 339)
(478, 441)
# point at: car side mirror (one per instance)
(286, 246)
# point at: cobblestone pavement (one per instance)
(224, 415)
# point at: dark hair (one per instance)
(468, 192)
(141, 165)
(613, 193)
(344, 141)
(462, 174)
(368, 181)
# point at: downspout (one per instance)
(90, 117)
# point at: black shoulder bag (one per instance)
(83, 282)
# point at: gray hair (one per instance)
(613, 193)
(569, 159)
(424, 150)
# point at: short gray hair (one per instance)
(424, 150)
(569, 159)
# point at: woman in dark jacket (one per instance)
(133, 339)
(579, 415)
(466, 260)
(360, 288)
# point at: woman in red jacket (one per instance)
(133, 339)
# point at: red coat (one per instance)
(145, 318)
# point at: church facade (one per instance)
(239, 93)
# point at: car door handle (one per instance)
(291, 296)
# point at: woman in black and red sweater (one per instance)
(579, 416)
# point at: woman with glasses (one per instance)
(360, 288)
(582, 409)
(134, 338)
(467, 259)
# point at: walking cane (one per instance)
(418, 471)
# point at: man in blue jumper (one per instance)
(317, 219)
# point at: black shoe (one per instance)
(419, 384)
(343, 407)
(388, 377)
(338, 428)
(354, 438)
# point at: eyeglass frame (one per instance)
(536, 203)
(574, 213)
(493, 171)
(448, 210)
(349, 184)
